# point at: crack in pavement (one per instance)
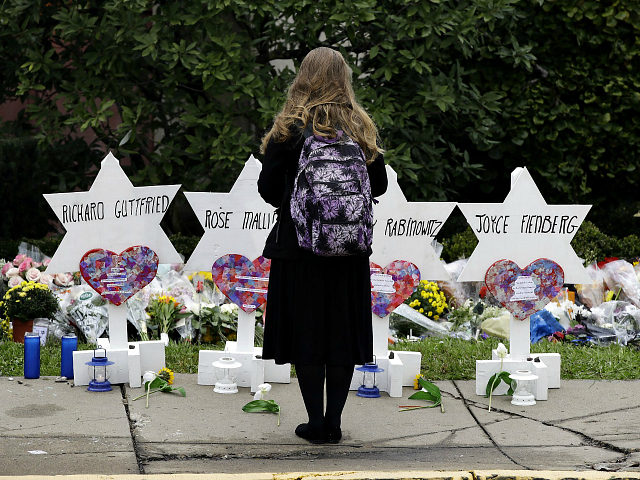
(298, 451)
(134, 442)
(557, 423)
(486, 432)
(617, 410)
(323, 452)
(587, 440)
(416, 435)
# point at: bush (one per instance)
(459, 245)
(457, 88)
(591, 244)
(184, 244)
(28, 170)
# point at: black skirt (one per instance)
(319, 311)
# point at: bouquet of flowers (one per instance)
(429, 300)
(164, 311)
(24, 268)
(216, 322)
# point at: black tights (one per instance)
(311, 379)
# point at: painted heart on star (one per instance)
(392, 285)
(524, 291)
(117, 277)
(243, 282)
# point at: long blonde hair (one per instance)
(321, 95)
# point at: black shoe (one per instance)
(333, 434)
(304, 430)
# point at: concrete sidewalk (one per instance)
(49, 428)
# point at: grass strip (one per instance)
(442, 359)
(455, 359)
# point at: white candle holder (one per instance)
(525, 386)
(227, 384)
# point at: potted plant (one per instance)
(25, 302)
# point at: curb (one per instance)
(355, 475)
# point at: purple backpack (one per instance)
(331, 203)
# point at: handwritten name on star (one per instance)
(243, 219)
(79, 212)
(412, 227)
(525, 224)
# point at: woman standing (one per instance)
(318, 313)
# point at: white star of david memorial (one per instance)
(112, 215)
(406, 230)
(235, 222)
(523, 229)
(403, 231)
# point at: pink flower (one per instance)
(19, 259)
(46, 262)
(15, 281)
(33, 275)
(6, 268)
(36, 264)
(13, 272)
(46, 279)
(63, 279)
(25, 265)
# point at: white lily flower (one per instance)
(501, 351)
(261, 394)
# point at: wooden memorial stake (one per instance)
(380, 336)
(519, 338)
(117, 326)
(246, 331)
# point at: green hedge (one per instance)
(463, 92)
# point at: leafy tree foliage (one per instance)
(463, 91)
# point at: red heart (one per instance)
(117, 277)
(524, 291)
(244, 282)
(392, 285)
